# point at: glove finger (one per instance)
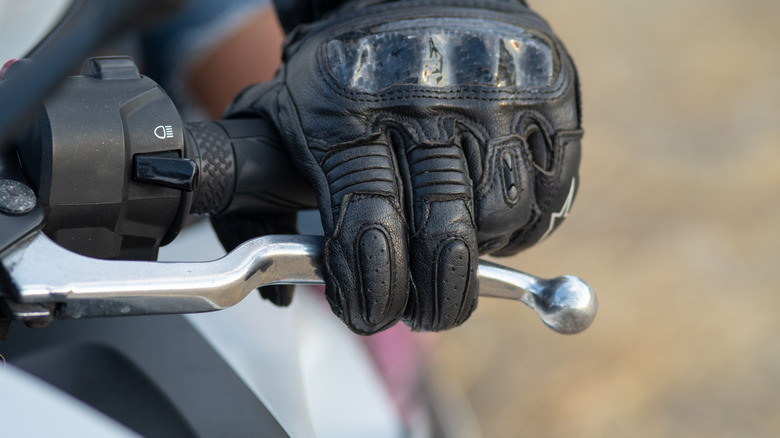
(549, 189)
(443, 244)
(235, 228)
(366, 256)
(505, 198)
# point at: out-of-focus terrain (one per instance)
(676, 226)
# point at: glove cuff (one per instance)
(292, 13)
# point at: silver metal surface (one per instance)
(45, 273)
(566, 304)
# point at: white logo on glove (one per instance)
(564, 210)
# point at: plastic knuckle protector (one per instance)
(431, 132)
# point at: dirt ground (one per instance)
(675, 227)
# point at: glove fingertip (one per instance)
(366, 259)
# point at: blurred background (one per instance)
(675, 227)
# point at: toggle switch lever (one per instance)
(167, 170)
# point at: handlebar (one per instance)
(115, 184)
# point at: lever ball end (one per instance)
(566, 304)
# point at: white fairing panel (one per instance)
(310, 371)
(24, 23)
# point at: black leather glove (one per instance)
(431, 132)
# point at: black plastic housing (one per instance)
(79, 158)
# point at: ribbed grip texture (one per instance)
(210, 146)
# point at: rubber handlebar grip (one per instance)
(243, 167)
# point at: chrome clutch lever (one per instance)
(48, 280)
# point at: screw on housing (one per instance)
(15, 197)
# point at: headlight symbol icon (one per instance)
(163, 131)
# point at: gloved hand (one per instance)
(431, 132)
